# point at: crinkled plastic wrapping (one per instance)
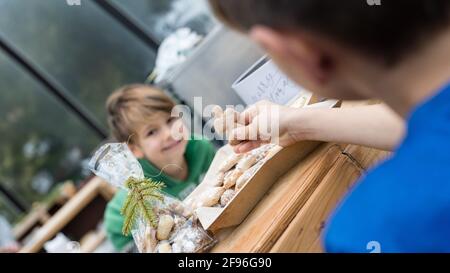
(177, 230)
(115, 163)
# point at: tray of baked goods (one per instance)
(235, 183)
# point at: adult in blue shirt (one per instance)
(398, 52)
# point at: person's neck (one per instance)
(417, 78)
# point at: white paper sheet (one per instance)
(265, 81)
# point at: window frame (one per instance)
(62, 94)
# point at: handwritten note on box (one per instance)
(265, 81)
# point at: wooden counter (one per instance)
(292, 214)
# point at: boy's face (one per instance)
(314, 63)
(162, 142)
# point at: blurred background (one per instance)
(58, 64)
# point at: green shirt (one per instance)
(199, 155)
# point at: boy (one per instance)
(141, 116)
(397, 52)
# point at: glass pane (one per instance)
(8, 211)
(162, 17)
(84, 48)
(41, 142)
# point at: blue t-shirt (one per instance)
(403, 205)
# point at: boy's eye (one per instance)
(151, 132)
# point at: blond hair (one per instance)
(133, 106)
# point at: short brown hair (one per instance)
(389, 30)
(135, 105)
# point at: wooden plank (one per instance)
(39, 216)
(365, 158)
(262, 228)
(303, 233)
(107, 191)
(92, 241)
(64, 215)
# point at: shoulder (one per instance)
(399, 204)
(200, 147)
(199, 154)
(118, 198)
(113, 221)
(112, 211)
(199, 142)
